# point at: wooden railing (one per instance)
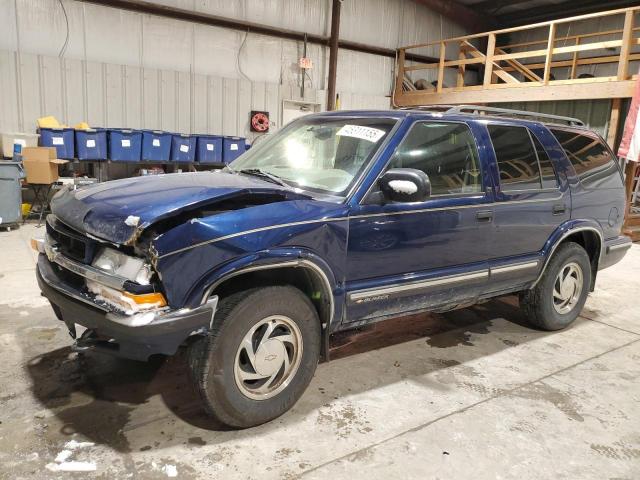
(546, 69)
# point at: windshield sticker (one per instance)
(364, 133)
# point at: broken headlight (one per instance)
(132, 268)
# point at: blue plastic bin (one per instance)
(156, 145)
(183, 148)
(125, 145)
(91, 144)
(61, 138)
(232, 148)
(209, 149)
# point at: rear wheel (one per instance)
(558, 298)
(259, 357)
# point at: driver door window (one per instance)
(446, 152)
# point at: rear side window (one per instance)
(517, 158)
(549, 179)
(590, 157)
(446, 152)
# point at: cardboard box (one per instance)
(41, 164)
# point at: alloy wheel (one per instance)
(268, 357)
(567, 288)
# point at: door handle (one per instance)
(484, 215)
(559, 208)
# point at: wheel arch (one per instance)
(301, 270)
(587, 235)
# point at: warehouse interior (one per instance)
(101, 92)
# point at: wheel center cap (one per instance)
(269, 357)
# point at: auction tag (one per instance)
(365, 133)
(57, 140)
(125, 142)
(234, 146)
(91, 143)
(184, 148)
(210, 147)
(156, 142)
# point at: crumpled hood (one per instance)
(117, 211)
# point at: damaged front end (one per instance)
(98, 261)
(114, 295)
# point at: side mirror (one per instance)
(405, 185)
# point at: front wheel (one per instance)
(558, 298)
(259, 357)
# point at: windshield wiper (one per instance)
(266, 175)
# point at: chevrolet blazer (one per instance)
(338, 220)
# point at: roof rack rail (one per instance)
(499, 112)
(506, 112)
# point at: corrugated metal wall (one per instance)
(140, 71)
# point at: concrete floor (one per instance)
(468, 394)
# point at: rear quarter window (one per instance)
(591, 159)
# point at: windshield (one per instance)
(320, 153)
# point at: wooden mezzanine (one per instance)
(547, 69)
(523, 71)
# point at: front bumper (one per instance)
(135, 336)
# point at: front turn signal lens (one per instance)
(155, 298)
(37, 244)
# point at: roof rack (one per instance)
(500, 112)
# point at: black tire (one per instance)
(212, 359)
(538, 302)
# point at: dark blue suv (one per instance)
(338, 220)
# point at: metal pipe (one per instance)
(333, 54)
(140, 6)
(304, 72)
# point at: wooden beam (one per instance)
(566, 38)
(574, 61)
(614, 121)
(608, 13)
(629, 174)
(519, 92)
(581, 61)
(495, 71)
(399, 71)
(443, 52)
(625, 49)
(520, 67)
(461, 68)
(550, 44)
